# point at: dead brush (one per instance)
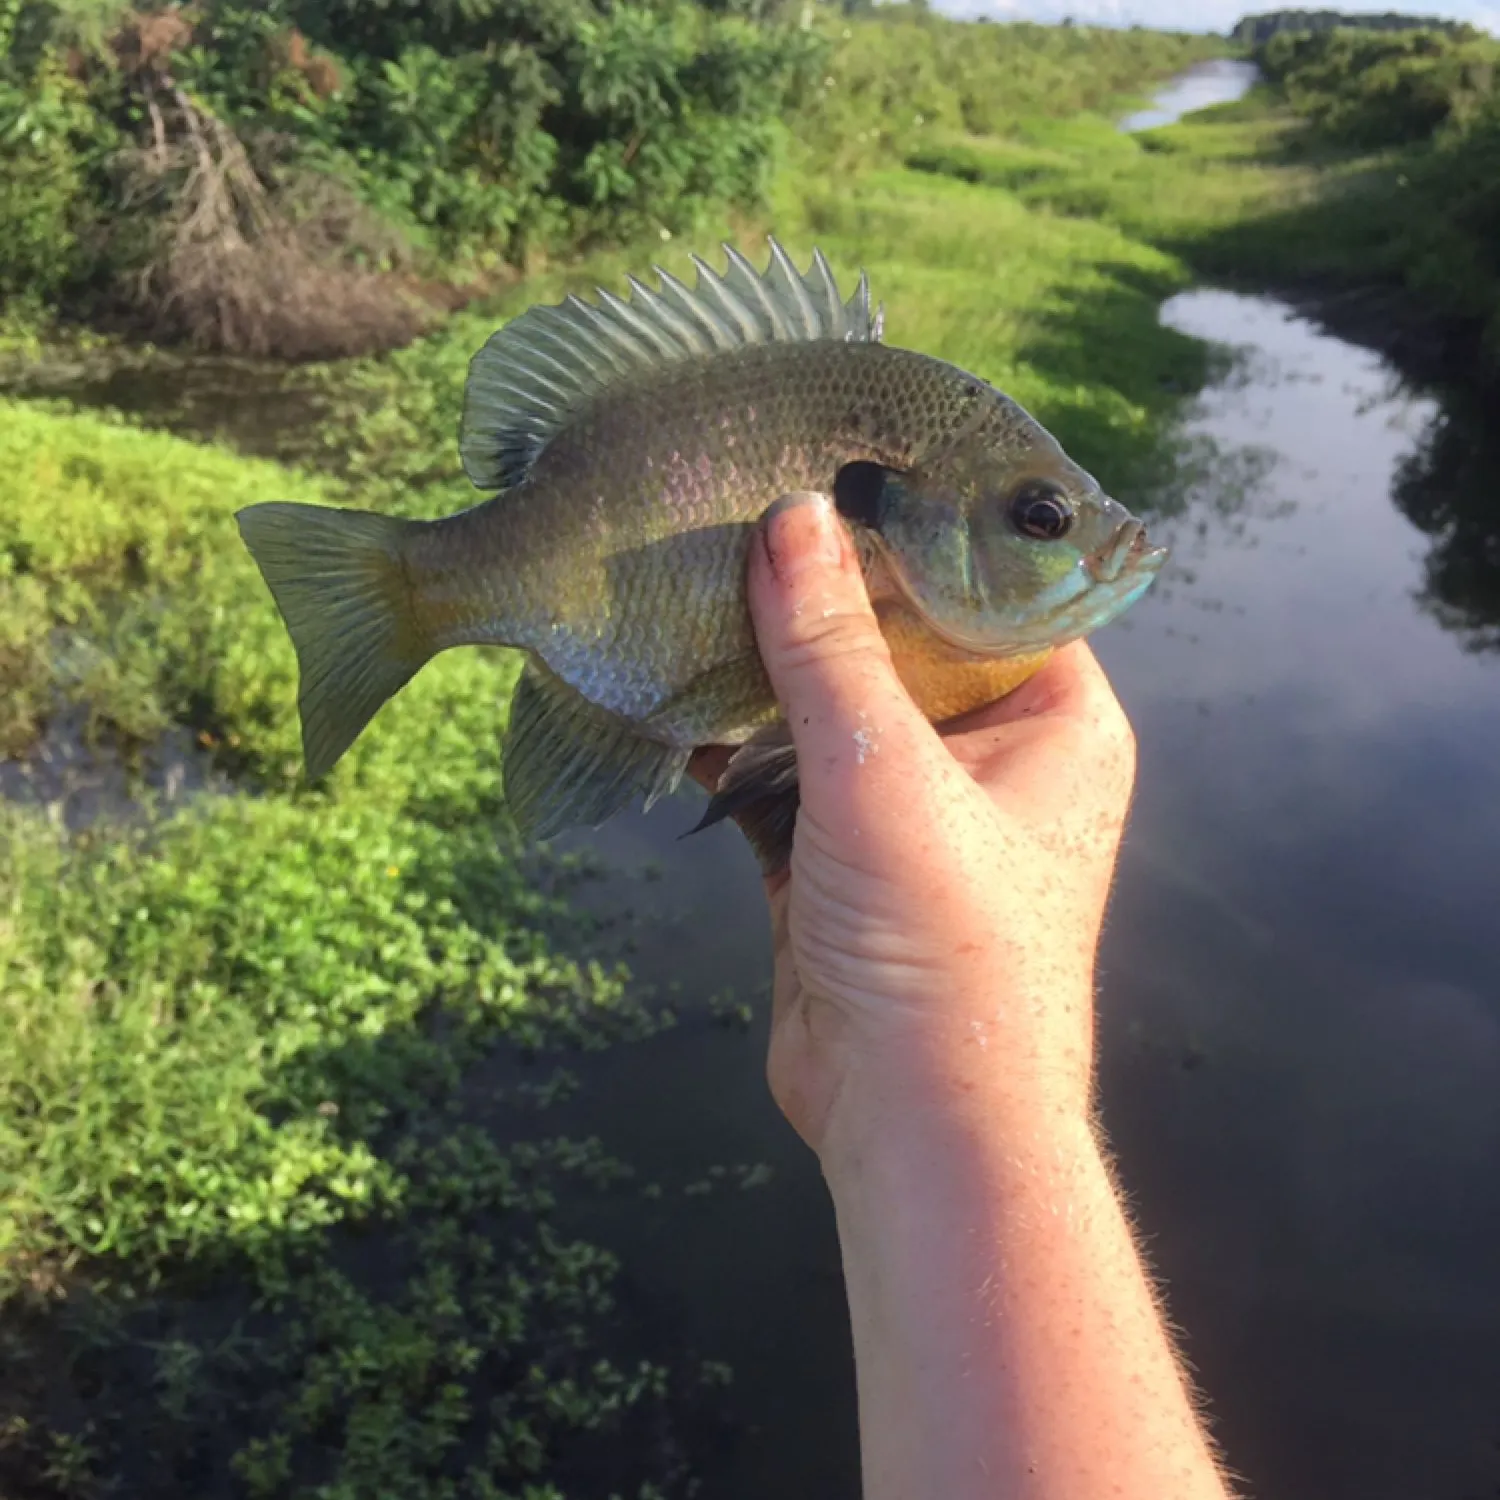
(228, 269)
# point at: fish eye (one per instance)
(859, 492)
(1040, 509)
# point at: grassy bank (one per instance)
(1409, 129)
(1393, 247)
(281, 1196)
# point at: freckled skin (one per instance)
(620, 561)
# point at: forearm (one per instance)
(1006, 1339)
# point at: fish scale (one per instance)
(636, 443)
(646, 587)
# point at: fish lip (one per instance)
(1128, 550)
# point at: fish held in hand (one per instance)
(634, 444)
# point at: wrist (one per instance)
(925, 1115)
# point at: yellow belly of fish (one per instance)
(944, 681)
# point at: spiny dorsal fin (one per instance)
(539, 369)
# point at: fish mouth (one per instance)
(1128, 551)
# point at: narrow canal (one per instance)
(1300, 1008)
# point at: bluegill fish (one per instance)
(634, 444)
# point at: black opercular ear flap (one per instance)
(859, 492)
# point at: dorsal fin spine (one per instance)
(795, 289)
(545, 354)
(718, 334)
(753, 284)
(610, 333)
(642, 326)
(830, 286)
(688, 336)
(534, 367)
(710, 285)
(533, 376)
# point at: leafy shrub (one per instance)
(49, 136)
(1378, 88)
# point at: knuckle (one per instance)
(833, 635)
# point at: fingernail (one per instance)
(801, 533)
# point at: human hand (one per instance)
(935, 932)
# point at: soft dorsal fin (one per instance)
(531, 376)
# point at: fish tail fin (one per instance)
(339, 580)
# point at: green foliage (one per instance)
(499, 128)
(1370, 88)
(240, 1029)
(49, 138)
(1255, 31)
(483, 128)
(905, 74)
(1403, 129)
(223, 1043)
(91, 547)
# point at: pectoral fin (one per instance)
(567, 762)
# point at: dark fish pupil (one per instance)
(859, 492)
(1041, 510)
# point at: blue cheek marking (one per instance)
(1071, 586)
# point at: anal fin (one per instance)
(760, 791)
(567, 762)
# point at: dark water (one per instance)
(258, 406)
(1300, 1012)
(79, 779)
(1220, 81)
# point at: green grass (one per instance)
(237, 1027)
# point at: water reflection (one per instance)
(1302, 918)
(1300, 1018)
(1447, 488)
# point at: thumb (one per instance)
(855, 728)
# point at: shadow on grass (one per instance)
(1347, 260)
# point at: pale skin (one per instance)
(932, 1042)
